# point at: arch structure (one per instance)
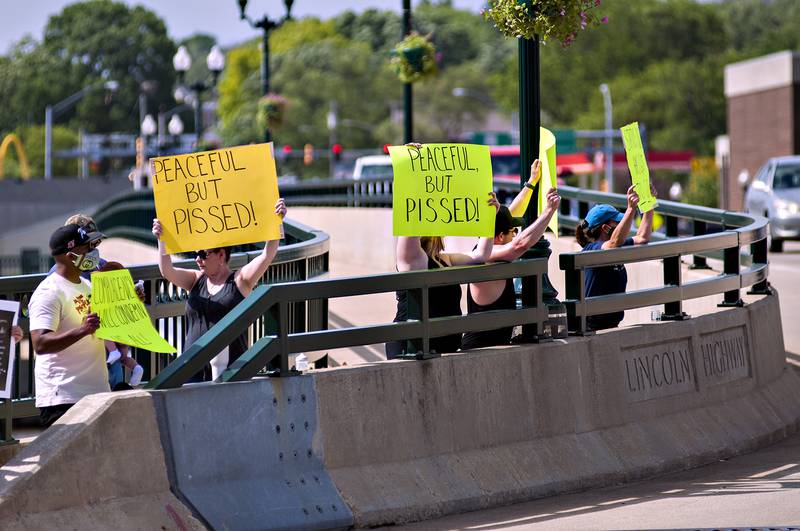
(11, 138)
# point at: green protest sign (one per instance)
(123, 317)
(442, 190)
(637, 163)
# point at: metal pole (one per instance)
(48, 142)
(408, 96)
(265, 72)
(609, 138)
(198, 115)
(332, 124)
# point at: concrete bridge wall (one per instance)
(400, 441)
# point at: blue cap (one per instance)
(600, 214)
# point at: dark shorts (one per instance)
(48, 415)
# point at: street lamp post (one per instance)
(408, 95)
(182, 61)
(51, 112)
(266, 25)
(609, 138)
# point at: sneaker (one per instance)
(113, 357)
(136, 376)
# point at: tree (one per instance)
(86, 43)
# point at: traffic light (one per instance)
(308, 154)
(140, 152)
(337, 152)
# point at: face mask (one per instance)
(88, 261)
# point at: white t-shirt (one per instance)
(67, 376)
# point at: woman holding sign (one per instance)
(427, 252)
(215, 290)
(605, 227)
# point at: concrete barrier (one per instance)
(401, 441)
(100, 467)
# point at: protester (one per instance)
(215, 290)
(509, 245)
(606, 228)
(427, 252)
(70, 359)
(116, 374)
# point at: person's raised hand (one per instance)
(536, 172)
(158, 230)
(280, 208)
(653, 191)
(90, 323)
(16, 333)
(493, 201)
(633, 198)
(415, 145)
(553, 199)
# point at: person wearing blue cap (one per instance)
(605, 227)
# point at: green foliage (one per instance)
(703, 189)
(32, 139)
(559, 20)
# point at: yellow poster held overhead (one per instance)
(123, 317)
(442, 190)
(637, 163)
(217, 198)
(547, 157)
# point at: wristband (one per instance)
(528, 185)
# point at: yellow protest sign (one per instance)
(442, 190)
(547, 157)
(123, 317)
(637, 163)
(217, 198)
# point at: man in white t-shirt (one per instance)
(70, 360)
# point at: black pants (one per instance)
(49, 414)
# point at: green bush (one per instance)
(703, 189)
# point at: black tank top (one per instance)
(500, 336)
(443, 301)
(204, 310)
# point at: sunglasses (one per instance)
(202, 254)
(513, 230)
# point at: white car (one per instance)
(775, 194)
(373, 166)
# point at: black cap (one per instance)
(66, 238)
(504, 221)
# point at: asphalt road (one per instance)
(761, 489)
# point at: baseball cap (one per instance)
(600, 214)
(70, 236)
(504, 221)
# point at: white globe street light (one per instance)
(215, 60)
(182, 61)
(175, 125)
(148, 126)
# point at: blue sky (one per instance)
(185, 17)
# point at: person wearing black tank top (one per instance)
(508, 246)
(427, 252)
(214, 290)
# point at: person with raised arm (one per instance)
(605, 227)
(427, 252)
(214, 290)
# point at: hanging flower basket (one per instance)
(271, 110)
(414, 58)
(559, 20)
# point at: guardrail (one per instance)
(732, 231)
(271, 302)
(304, 257)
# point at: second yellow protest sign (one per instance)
(637, 164)
(123, 317)
(547, 157)
(442, 190)
(217, 198)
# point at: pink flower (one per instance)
(563, 12)
(596, 3)
(604, 20)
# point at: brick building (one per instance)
(763, 96)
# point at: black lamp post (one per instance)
(182, 61)
(266, 25)
(408, 101)
(529, 123)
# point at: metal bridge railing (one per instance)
(733, 230)
(304, 257)
(270, 306)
